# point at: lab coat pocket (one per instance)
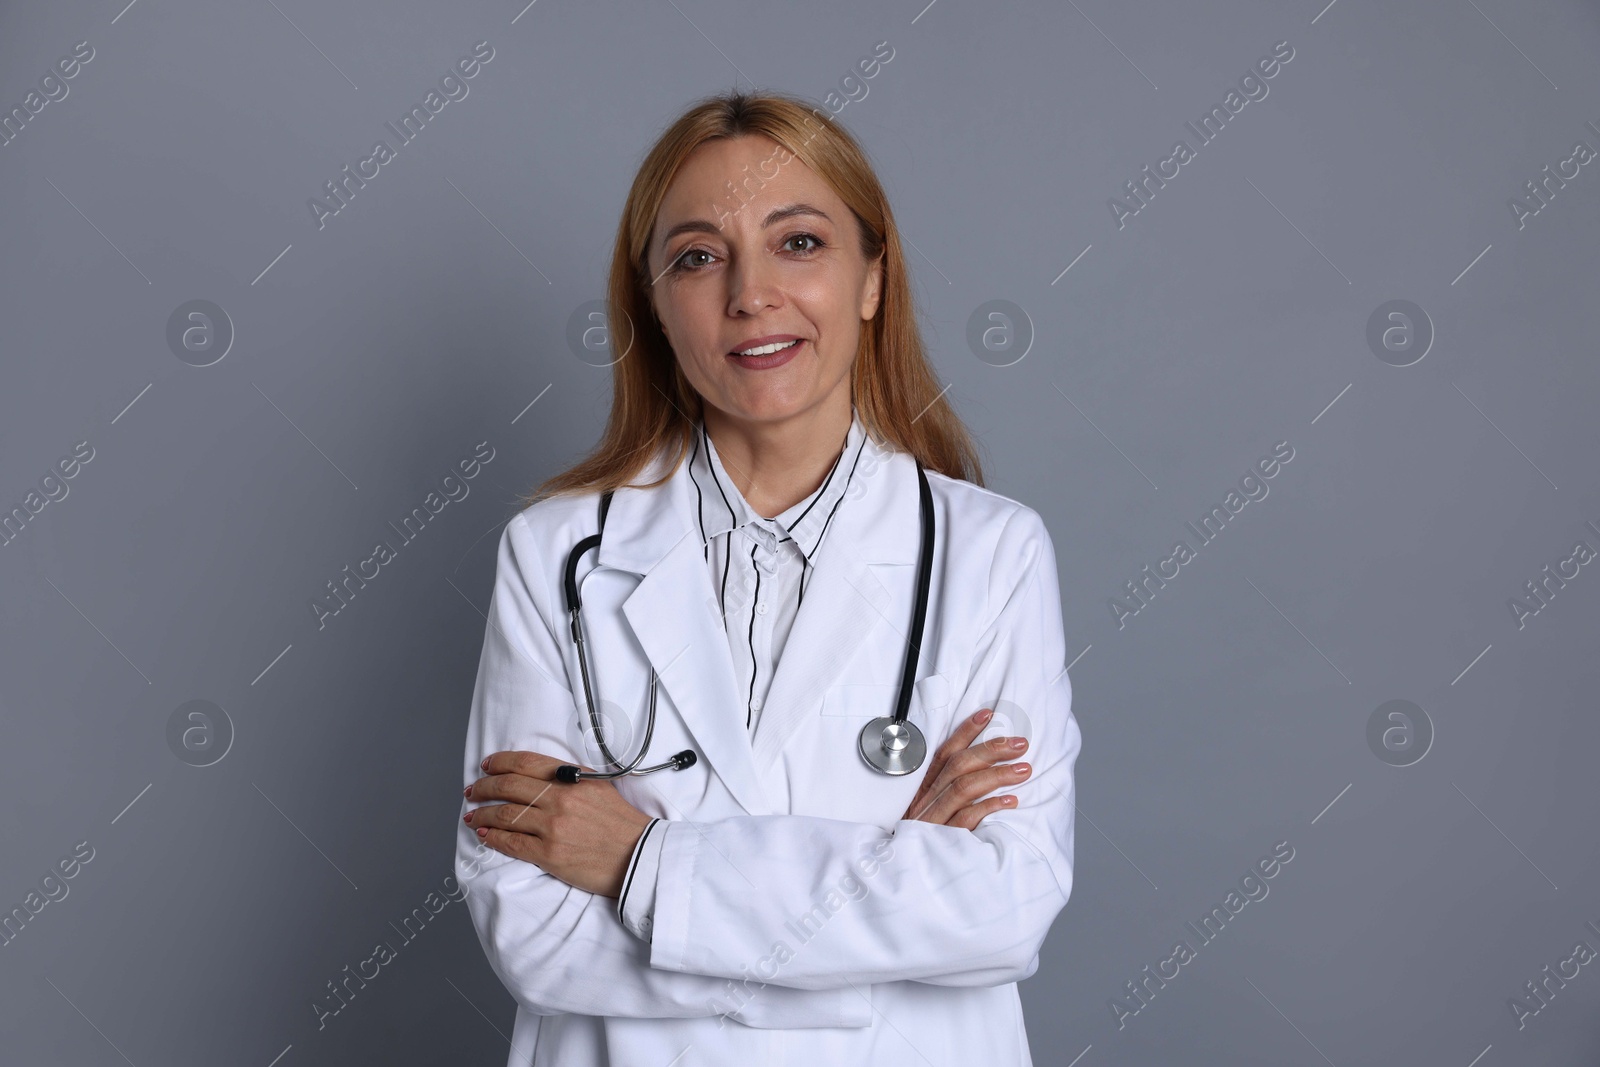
(854, 790)
(859, 701)
(868, 700)
(851, 789)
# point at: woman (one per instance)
(778, 899)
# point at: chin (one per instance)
(763, 409)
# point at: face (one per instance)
(781, 265)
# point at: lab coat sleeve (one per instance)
(815, 903)
(559, 949)
(636, 904)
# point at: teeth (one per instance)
(766, 350)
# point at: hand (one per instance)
(959, 774)
(582, 832)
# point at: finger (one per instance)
(518, 846)
(521, 818)
(511, 774)
(938, 805)
(970, 816)
(530, 764)
(970, 787)
(510, 787)
(973, 758)
(985, 754)
(962, 790)
(958, 740)
(975, 784)
(965, 731)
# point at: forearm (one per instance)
(558, 949)
(813, 904)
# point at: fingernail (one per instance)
(482, 832)
(1019, 769)
(484, 765)
(1009, 802)
(467, 792)
(983, 716)
(1018, 742)
(467, 818)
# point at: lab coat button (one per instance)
(761, 609)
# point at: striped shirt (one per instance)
(760, 569)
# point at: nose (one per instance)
(752, 286)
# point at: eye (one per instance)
(816, 241)
(682, 263)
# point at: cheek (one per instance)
(688, 313)
(836, 317)
(691, 344)
(830, 296)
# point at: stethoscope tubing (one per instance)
(900, 748)
(892, 744)
(568, 772)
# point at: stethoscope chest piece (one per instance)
(893, 747)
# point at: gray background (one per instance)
(1229, 314)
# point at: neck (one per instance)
(775, 465)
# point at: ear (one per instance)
(873, 291)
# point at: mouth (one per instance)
(773, 353)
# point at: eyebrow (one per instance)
(777, 214)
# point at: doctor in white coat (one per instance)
(779, 901)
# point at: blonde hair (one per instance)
(653, 406)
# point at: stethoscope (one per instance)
(890, 743)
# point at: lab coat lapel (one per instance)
(877, 522)
(673, 614)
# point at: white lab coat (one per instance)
(798, 919)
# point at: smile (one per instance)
(767, 350)
(766, 357)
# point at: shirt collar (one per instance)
(722, 508)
